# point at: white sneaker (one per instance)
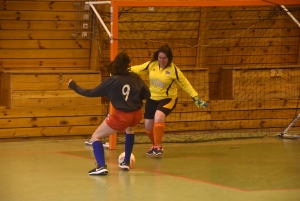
(88, 143)
(106, 145)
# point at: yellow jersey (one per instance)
(163, 81)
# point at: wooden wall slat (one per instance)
(37, 5)
(51, 121)
(37, 25)
(148, 44)
(148, 17)
(45, 53)
(45, 44)
(245, 51)
(47, 131)
(53, 78)
(257, 59)
(253, 105)
(263, 41)
(178, 54)
(55, 102)
(200, 126)
(48, 111)
(254, 33)
(5, 88)
(232, 14)
(160, 26)
(49, 86)
(40, 63)
(162, 34)
(40, 15)
(161, 9)
(236, 23)
(38, 35)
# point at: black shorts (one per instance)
(164, 105)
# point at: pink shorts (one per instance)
(120, 120)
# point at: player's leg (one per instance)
(129, 142)
(164, 108)
(102, 131)
(158, 130)
(149, 123)
(150, 109)
(132, 118)
(90, 141)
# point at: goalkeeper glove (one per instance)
(200, 103)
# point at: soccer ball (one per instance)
(122, 156)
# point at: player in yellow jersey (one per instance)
(163, 77)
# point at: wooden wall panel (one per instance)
(50, 31)
(50, 111)
(38, 15)
(65, 5)
(5, 88)
(42, 101)
(35, 35)
(45, 53)
(44, 44)
(258, 36)
(46, 131)
(44, 64)
(37, 25)
(255, 84)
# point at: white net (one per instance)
(243, 60)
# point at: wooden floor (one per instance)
(248, 170)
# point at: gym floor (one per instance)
(264, 169)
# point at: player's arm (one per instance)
(141, 69)
(183, 82)
(98, 91)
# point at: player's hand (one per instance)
(200, 103)
(70, 81)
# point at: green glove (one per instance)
(200, 103)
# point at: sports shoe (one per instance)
(124, 166)
(150, 152)
(89, 143)
(99, 170)
(158, 150)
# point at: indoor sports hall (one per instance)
(241, 57)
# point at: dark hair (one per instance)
(167, 51)
(120, 65)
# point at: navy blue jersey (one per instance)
(125, 92)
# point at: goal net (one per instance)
(242, 60)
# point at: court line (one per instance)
(182, 177)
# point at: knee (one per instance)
(129, 130)
(95, 138)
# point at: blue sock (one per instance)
(99, 153)
(128, 147)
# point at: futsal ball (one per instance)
(122, 156)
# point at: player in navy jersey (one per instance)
(163, 77)
(125, 90)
